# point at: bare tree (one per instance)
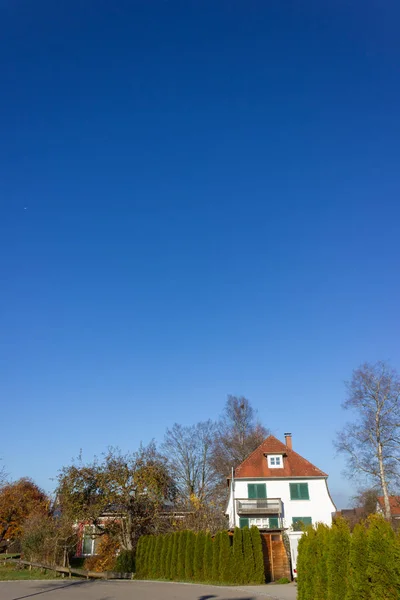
(238, 434)
(188, 452)
(367, 500)
(371, 441)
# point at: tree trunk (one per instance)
(388, 513)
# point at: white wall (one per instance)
(319, 507)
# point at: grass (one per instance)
(12, 572)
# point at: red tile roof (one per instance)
(294, 465)
(394, 502)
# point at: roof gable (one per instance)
(294, 465)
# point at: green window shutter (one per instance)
(243, 523)
(273, 523)
(261, 490)
(251, 490)
(299, 491)
(303, 491)
(294, 491)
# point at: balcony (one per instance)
(264, 506)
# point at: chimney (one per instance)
(288, 440)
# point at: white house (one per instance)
(275, 488)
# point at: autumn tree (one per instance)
(130, 488)
(19, 501)
(49, 537)
(371, 441)
(238, 433)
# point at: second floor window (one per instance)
(256, 490)
(299, 491)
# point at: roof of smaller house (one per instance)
(394, 502)
(294, 465)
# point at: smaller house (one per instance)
(394, 502)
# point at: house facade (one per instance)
(275, 488)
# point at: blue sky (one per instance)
(197, 199)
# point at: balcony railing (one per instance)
(264, 506)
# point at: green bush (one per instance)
(174, 557)
(189, 555)
(248, 557)
(150, 555)
(358, 584)
(198, 563)
(163, 556)
(337, 560)
(139, 557)
(125, 562)
(168, 558)
(383, 560)
(283, 580)
(225, 558)
(321, 549)
(238, 575)
(208, 558)
(259, 572)
(216, 550)
(181, 555)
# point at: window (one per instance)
(256, 490)
(243, 523)
(300, 522)
(88, 541)
(299, 491)
(275, 462)
(273, 522)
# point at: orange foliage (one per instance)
(18, 501)
(105, 558)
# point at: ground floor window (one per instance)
(260, 522)
(89, 541)
(300, 522)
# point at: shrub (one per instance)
(168, 559)
(215, 563)
(181, 555)
(163, 555)
(283, 580)
(302, 567)
(259, 573)
(321, 549)
(147, 556)
(248, 557)
(198, 562)
(208, 557)
(150, 555)
(125, 562)
(382, 568)
(174, 556)
(358, 584)
(105, 557)
(338, 559)
(225, 562)
(155, 569)
(238, 574)
(189, 555)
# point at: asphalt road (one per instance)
(138, 590)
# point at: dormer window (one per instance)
(275, 461)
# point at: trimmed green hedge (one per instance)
(187, 556)
(334, 564)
